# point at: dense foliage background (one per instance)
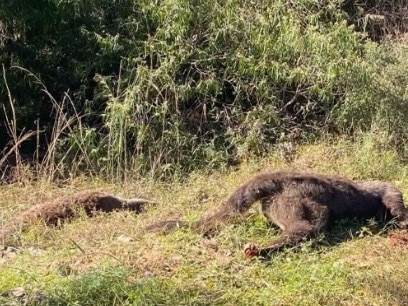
(169, 86)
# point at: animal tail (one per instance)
(136, 204)
(261, 186)
(100, 201)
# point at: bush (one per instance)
(181, 85)
(217, 84)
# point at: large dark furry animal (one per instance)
(302, 204)
(65, 208)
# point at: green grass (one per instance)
(110, 260)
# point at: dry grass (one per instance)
(110, 260)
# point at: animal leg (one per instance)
(232, 210)
(290, 237)
(394, 202)
(299, 218)
(238, 204)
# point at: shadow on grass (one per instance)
(342, 231)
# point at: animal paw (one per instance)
(403, 224)
(250, 250)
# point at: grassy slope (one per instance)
(93, 262)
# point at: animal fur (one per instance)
(302, 204)
(65, 208)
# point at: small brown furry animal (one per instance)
(64, 208)
(302, 204)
